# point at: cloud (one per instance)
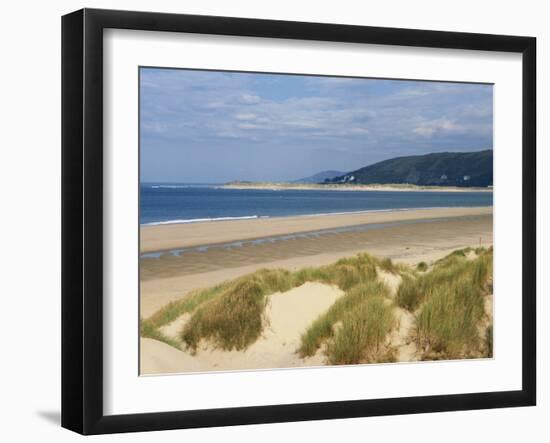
(245, 116)
(359, 130)
(305, 124)
(250, 99)
(368, 119)
(248, 126)
(428, 129)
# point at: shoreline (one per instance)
(316, 234)
(320, 214)
(347, 187)
(168, 237)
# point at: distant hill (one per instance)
(438, 169)
(319, 177)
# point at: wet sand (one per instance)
(185, 235)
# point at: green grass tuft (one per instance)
(388, 265)
(422, 266)
(447, 322)
(451, 305)
(324, 327)
(454, 257)
(345, 273)
(410, 292)
(363, 331)
(175, 309)
(148, 330)
(413, 291)
(234, 319)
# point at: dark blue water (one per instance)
(186, 203)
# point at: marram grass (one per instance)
(234, 319)
(324, 327)
(447, 300)
(414, 289)
(452, 307)
(447, 322)
(148, 330)
(175, 309)
(362, 333)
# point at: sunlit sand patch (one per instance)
(288, 314)
(174, 328)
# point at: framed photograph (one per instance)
(269, 221)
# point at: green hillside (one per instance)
(319, 177)
(438, 169)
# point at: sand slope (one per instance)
(158, 357)
(288, 315)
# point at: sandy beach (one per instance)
(217, 252)
(172, 236)
(419, 235)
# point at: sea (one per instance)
(162, 203)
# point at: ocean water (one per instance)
(188, 203)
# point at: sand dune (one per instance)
(158, 357)
(420, 235)
(169, 277)
(288, 314)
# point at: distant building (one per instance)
(444, 177)
(347, 179)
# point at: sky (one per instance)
(215, 127)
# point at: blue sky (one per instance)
(213, 127)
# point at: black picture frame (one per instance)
(82, 218)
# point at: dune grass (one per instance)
(447, 302)
(231, 321)
(457, 254)
(414, 289)
(345, 273)
(175, 309)
(234, 319)
(450, 300)
(409, 292)
(363, 331)
(230, 314)
(422, 266)
(390, 266)
(325, 326)
(148, 330)
(447, 322)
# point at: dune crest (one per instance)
(287, 315)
